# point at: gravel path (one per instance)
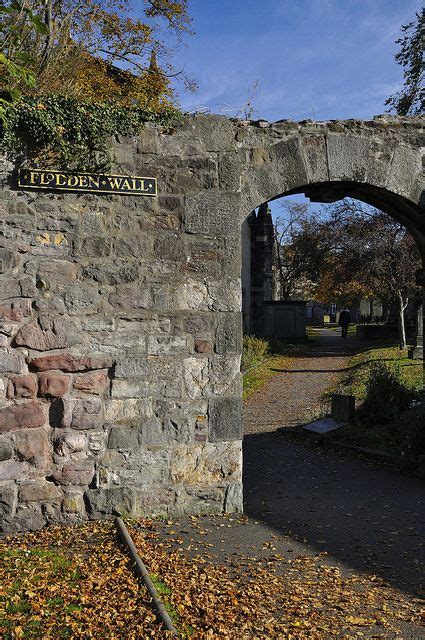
(293, 395)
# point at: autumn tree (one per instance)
(97, 50)
(353, 251)
(410, 100)
(289, 256)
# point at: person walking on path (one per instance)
(344, 322)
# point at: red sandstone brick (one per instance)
(202, 346)
(21, 387)
(68, 362)
(21, 416)
(93, 382)
(53, 384)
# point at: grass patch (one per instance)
(71, 582)
(164, 592)
(355, 382)
(264, 358)
(254, 351)
(390, 415)
(28, 602)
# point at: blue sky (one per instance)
(320, 59)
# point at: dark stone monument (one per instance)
(343, 407)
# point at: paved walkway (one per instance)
(294, 394)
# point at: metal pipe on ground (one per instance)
(143, 573)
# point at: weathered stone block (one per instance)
(28, 287)
(13, 470)
(289, 164)
(154, 501)
(97, 442)
(8, 260)
(9, 288)
(225, 419)
(169, 247)
(225, 295)
(205, 464)
(11, 362)
(198, 500)
(123, 438)
(203, 346)
(21, 416)
(314, 150)
(79, 472)
(48, 332)
(147, 466)
(224, 375)
(347, 156)
(22, 387)
(229, 333)
(16, 310)
(38, 491)
(229, 171)
(78, 413)
(94, 246)
(73, 501)
(82, 298)
(57, 274)
(69, 442)
(233, 501)
(166, 377)
(52, 385)
(98, 323)
(6, 450)
(195, 372)
(192, 295)
(94, 382)
(68, 362)
(133, 245)
(200, 325)
(129, 411)
(406, 164)
(129, 389)
(33, 445)
(118, 501)
(131, 368)
(214, 213)
(28, 517)
(8, 501)
(167, 345)
(174, 429)
(132, 298)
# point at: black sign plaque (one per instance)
(87, 182)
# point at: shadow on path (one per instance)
(366, 517)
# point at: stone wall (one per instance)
(120, 328)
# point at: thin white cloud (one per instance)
(314, 58)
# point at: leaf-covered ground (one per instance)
(76, 582)
(71, 582)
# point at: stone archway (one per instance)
(120, 316)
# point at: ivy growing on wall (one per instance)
(65, 133)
